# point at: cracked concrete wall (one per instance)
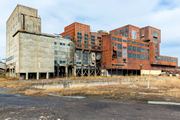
(36, 53)
(27, 49)
(15, 23)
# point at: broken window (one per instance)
(124, 60)
(114, 55)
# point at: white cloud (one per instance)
(102, 14)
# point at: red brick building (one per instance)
(131, 49)
(125, 50)
(83, 37)
(88, 48)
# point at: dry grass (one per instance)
(13, 84)
(4, 78)
(32, 92)
(160, 88)
(128, 88)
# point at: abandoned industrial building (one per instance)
(88, 53)
(134, 50)
(128, 50)
(26, 47)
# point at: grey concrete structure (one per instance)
(64, 57)
(29, 53)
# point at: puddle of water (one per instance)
(74, 97)
(18, 95)
(163, 103)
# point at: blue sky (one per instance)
(103, 14)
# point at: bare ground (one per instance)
(136, 88)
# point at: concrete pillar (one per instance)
(47, 75)
(18, 75)
(66, 71)
(74, 71)
(12, 74)
(95, 72)
(27, 76)
(82, 71)
(89, 71)
(37, 75)
(10, 71)
(82, 63)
